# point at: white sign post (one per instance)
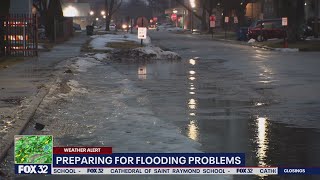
(285, 25)
(226, 19)
(235, 20)
(284, 21)
(142, 34)
(212, 24)
(226, 22)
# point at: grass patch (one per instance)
(123, 45)
(301, 45)
(6, 62)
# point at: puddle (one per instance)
(220, 109)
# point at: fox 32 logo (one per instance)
(33, 169)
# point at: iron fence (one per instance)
(18, 35)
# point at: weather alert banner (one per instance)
(101, 160)
(36, 155)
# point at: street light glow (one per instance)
(104, 16)
(103, 13)
(70, 11)
(91, 13)
(97, 19)
(192, 3)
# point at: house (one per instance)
(79, 12)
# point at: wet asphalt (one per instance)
(220, 97)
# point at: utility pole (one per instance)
(316, 22)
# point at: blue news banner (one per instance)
(150, 160)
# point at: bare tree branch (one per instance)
(117, 8)
(188, 8)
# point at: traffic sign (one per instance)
(212, 24)
(285, 21)
(226, 19)
(235, 20)
(212, 18)
(142, 33)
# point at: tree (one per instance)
(201, 18)
(137, 8)
(158, 6)
(49, 11)
(294, 10)
(111, 6)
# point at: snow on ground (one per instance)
(83, 63)
(41, 46)
(170, 28)
(101, 56)
(158, 52)
(251, 41)
(287, 49)
(175, 29)
(100, 42)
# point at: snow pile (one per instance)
(158, 53)
(83, 64)
(99, 42)
(287, 49)
(144, 53)
(175, 29)
(101, 56)
(76, 88)
(251, 41)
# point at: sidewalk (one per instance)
(273, 44)
(24, 84)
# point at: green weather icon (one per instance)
(33, 149)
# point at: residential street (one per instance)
(220, 97)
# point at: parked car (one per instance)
(242, 34)
(262, 30)
(112, 27)
(305, 31)
(76, 27)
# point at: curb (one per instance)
(260, 46)
(255, 45)
(25, 118)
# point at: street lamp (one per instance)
(103, 13)
(70, 11)
(175, 12)
(193, 6)
(91, 13)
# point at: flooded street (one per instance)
(218, 98)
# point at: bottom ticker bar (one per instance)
(168, 171)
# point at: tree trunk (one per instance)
(204, 19)
(295, 12)
(108, 21)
